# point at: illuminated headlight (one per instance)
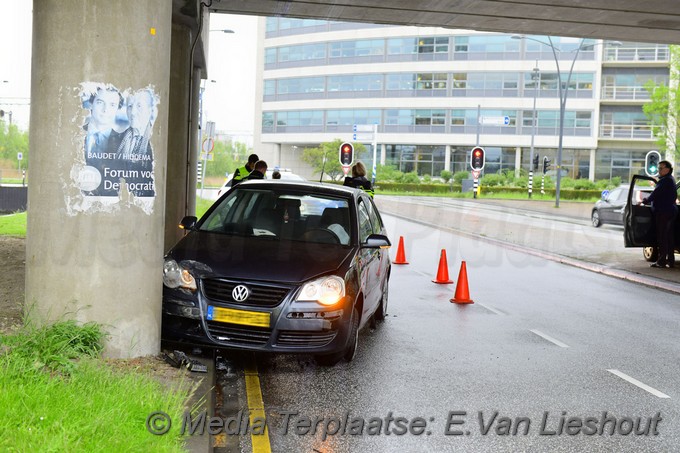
(326, 290)
(175, 276)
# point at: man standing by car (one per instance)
(242, 173)
(665, 211)
(259, 170)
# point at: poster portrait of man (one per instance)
(117, 145)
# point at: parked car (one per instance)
(279, 266)
(286, 174)
(638, 228)
(609, 209)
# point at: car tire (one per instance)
(650, 253)
(349, 351)
(595, 218)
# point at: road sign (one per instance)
(207, 156)
(476, 173)
(495, 120)
(363, 128)
(345, 169)
(362, 137)
(208, 145)
(20, 155)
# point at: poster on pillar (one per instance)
(117, 161)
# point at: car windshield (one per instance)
(282, 215)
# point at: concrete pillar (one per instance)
(94, 253)
(195, 144)
(383, 154)
(518, 160)
(176, 200)
(593, 162)
(447, 158)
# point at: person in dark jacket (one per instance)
(241, 173)
(358, 179)
(665, 211)
(258, 171)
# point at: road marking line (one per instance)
(637, 383)
(492, 310)
(549, 338)
(256, 408)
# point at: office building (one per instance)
(425, 88)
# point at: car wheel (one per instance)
(350, 349)
(595, 218)
(650, 253)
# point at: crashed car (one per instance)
(638, 228)
(289, 267)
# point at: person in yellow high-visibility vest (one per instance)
(242, 173)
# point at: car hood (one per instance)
(258, 258)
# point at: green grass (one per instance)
(58, 395)
(13, 224)
(202, 205)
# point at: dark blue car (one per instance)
(279, 266)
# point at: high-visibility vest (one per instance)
(242, 174)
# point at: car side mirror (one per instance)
(188, 222)
(377, 241)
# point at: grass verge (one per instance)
(13, 224)
(59, 395)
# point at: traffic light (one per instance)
(546, 164)
(477, 158)
(652, 163)
(536, 162)
(346, 154)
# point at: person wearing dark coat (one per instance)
(665, 211)
(358, 179)
(258, 172)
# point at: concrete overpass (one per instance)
(105, 196)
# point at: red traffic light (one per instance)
(346, 154)
(477, 158)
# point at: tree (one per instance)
(324, 158)
(228, 156)
(13, 141)
(663, 108)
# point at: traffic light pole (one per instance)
(475, 175)
(535, 76)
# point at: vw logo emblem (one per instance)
(240, 293)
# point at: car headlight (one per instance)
(325, 290)
(175, 276)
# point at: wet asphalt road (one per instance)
(542, 340)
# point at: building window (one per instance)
(300, 85)
(431, 81)
(400, 81)
(430, 117)
(438, 44)
(349, 49)
(402, 46)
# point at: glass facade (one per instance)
(420, 107)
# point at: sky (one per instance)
(229, 101)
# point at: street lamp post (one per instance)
(563, 100)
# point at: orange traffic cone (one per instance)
(401, 255)
(462, 295)
(443, 271)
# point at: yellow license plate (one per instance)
(243, 317)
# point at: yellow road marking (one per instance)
(256, 408)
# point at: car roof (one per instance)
(309, 186)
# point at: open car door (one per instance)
(638, 221)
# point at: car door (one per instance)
(370, 259)
(638, 225)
